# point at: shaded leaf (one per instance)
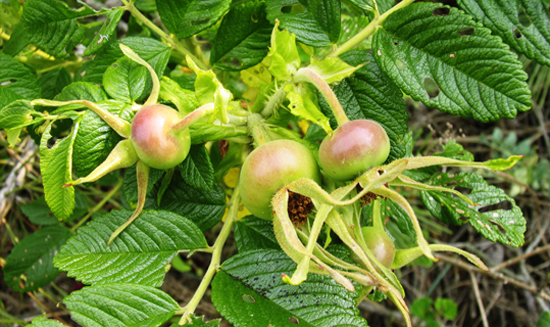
(109, 26)
(32, 258)
(53, 82)
(197, 170)
(16, 81)
(253, 233)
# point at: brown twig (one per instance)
(494, 275)
(479, 300)
(520, 258)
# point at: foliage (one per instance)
(241, 74)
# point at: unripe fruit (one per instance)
(380, 244)
(353, 148)
(271, 166)
(156, 144)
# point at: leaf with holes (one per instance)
(253, 233)
(524, 25)
(197, 170)
(429, 47)
(29, 265)
(249, 291)
(16, 81)
(138, 255)
(370, 94)
(120, 305)
(244, 34)
(56, 167)
(186, 18)
(491, 218)
(317, 24)
(52, 26)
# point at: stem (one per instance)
(274, 101)
(258, 130)
(376, 217)
(153, 97)
(189, 309)
(98, 206)
(193, 117)
(311, 76)
(171, 41)
(369, 30)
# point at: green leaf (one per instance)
(197, 170)
(92, 71)
(95, 139)
(446, 307)
(56, 167)
(496, 222)
(17, 114)
(126, 80)
(184, 100)
(327, 14)
(283, 54)
(390, 208)
(301, 21)
(53, 82)
(477, 75)
(186, 18)
(129, 184)
(109, 26)
(40, 214)
(138, 255)
(82, 91)
(332, 69)
(544, 320)
(249, 291)
(422, 308)
(351, 27)
(52, 26)
(32, 259)
(244, 35)
(16, 81)
(44, 322)
(199, 322)
(521, 24)
(136, 305)
(253, 233)
(204, 208)
(370, 94)
(303, 105)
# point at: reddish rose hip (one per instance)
(156, 144)
(353, 148)
(270, 167)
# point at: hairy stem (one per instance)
(258, 130)
(216, 258)
(311, 76)
(170, 40)
(274, 101)
(369, 30)
(193, 117)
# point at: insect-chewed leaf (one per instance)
(138, 255)
(43, 322)
(498, 218)
(249, 291)
(136, 305)
(521, 24)
(476, 73)
(102, 36)
(32, 259)
(16, 81)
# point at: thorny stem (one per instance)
(171, 41)
(274, 101)
(189, 309)
(258, 130)
(311, 76)
(98, 206)
(369, 30)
